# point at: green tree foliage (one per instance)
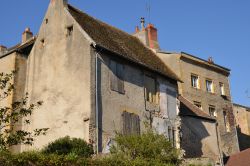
(15, 114)
(148, 147)
(69, 146)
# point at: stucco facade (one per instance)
(187, 65)
(68, 68)
(242, 117)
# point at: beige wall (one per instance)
(58, 73)
(242, 116)
(7, 65)
(199, 138)
(184, 67)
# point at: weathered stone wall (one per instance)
(58, 73)
(112, 103)
(7, 65)
(199, 138)
(184, 67)
(229, 140)
(242, 117)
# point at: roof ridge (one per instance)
(121, 43)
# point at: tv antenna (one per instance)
(148, 9)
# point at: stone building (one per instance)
(242, 117)
(207, 86)
(94, 79)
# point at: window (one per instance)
(116, 77)
(226, 123)
(150, 89)
(197, 104)
(212, 111)
(69, 30)
(222, 90)
(209, 86)
(171, 135)
(195, 81)
(131, 123)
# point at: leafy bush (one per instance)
(147, 148)
(69, 146)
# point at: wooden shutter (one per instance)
(131, 123)
(120, 78)
(113, 77)
(135, 124)
(126, 123)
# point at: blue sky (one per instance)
(217, 28)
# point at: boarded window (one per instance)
(131, 123)
(172, 94)
(150, 89)
(116, 77)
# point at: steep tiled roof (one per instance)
(189, 109)
(121, 43)
(239, 159)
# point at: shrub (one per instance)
(146, 148)
(69, 146)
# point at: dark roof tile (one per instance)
(121, 43)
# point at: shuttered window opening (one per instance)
(172, 135)
(150, 89)
(131, 123)
(117, 76)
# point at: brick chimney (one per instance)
(152, 36)
(3, 49)
(147, 35)
(27, 34)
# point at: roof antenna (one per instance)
(148, 9)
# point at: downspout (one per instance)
(218, 144)
(96, 103)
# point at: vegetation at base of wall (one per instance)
(148, 149)
(69, 146)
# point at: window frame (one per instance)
(198, 81)
(212, 85)
(214, 113)
(222, 89)
(198, 104)
(155, 96)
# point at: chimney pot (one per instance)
(27, 34)
(210, 60)
(142, 23)
(3, 49)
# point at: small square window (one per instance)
(195, 81)
(212, 111)
(209, 86)
(197, 104)
(70, 30)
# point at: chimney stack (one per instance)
(152, 36)
(147, 35)
(27, 34)
(3, 49)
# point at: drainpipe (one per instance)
(96, 103)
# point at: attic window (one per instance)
(70, 30)
(42, 41)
